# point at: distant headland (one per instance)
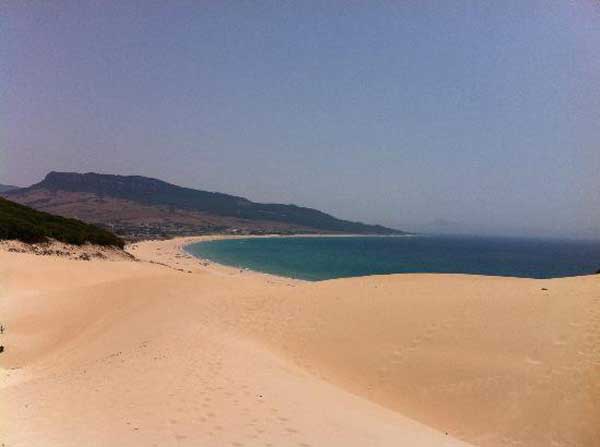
(139, 207)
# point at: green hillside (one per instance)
(28, 225)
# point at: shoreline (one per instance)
(161, 251)
(172, 253)
(180, 244)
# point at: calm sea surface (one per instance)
(319, 258)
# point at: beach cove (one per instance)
(324, 257)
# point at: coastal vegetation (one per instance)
(25, 224)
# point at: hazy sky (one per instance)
(483, 113)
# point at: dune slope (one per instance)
(126, 353)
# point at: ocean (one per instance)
(321, 258)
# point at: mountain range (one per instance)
(140, 207)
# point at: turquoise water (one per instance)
(322, 258)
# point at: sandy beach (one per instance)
(173, 351)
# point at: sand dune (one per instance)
(133, 353)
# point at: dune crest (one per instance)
(134, 353)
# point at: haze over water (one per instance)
(321, 258)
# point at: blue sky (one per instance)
(486, 114)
